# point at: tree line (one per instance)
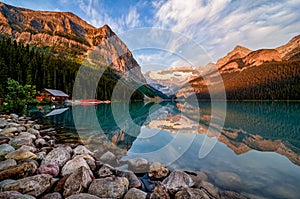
(30, 65)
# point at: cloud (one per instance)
(132, 19)
(220, 25)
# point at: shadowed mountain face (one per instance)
(64, 34)
(265, 74)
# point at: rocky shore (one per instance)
(35, 165)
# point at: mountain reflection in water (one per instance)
(258, 147)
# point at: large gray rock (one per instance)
(9, 131)
(7, 163)
(72, 165)
(106, 171)
(21, 170)
(210, 188)
(191, 193)
(138, 165)
(29, 148)
(177, 180)
(110, 187)
(108, 158)
(83, 196)
(77, 182)
(5, 149)
(58, 155)
(21, 140)
(34, 185)
(20, 154)
(158, 171)
(9, 194)
(79, 150)
(34, 132)
(135, 194)
(134, 181)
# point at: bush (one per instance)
(18, 97)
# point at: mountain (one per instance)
(170, 80)
(63, 34)
(264, 74)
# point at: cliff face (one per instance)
(66, 35)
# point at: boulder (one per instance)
(34, 185)
(89, 160)
(34, 132)
(20, 154)
(77, 182)
(7, 163)
(21, 140)
(159, 191)
(158, 171)
(73, 165)
(9, 131)
(210, 188)
(106, 170)
(134, 193)
(83, 196)
(5, 149)
(26, 134)
(134, 181)
(177, 180)
(9, 194)
(58, 155)
(41, 143)
(14, 116)
(138, 165)
(82, 150)
(50, 168)
(191, 193)
(108, 158)
(28, 148)
(54, 195)
(110, 187)
(21, 170)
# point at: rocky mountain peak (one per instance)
(237, 52)
(67, 35)
(291, 50)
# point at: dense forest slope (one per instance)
(264, 74)
(63, 34)
(46, 49)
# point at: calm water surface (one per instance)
(256, 152)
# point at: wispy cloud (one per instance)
(219, 25)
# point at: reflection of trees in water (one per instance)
(262, 126)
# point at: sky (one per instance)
(215, 26)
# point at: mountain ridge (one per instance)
(65, 34)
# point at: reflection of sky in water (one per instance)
(258, 132)
(261, 173)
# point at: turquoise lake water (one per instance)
(249, 147)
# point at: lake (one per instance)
(249, 147)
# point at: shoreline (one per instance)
(33, 165)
